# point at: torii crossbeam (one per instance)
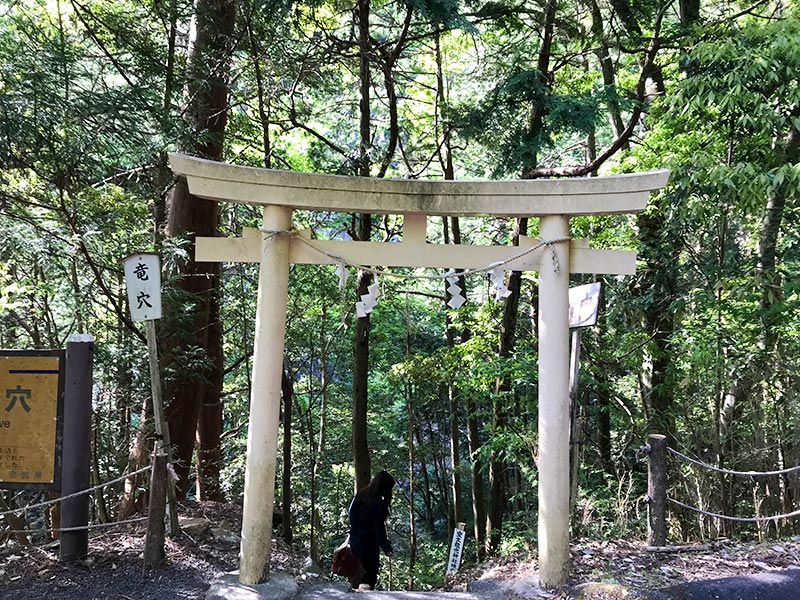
(554, 201)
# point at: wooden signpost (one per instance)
(277, 245)
(143, 280)
(456, 548)
(584, 301)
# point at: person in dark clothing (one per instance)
(367, 513)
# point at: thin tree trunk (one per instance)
(17, 524)
(210, 419)
(412, 519)
(607, 70)
(316, 519)
(455, 457)
(132, 498)
(445, 155)
(426, 491)
(287, 392)
(100, 497)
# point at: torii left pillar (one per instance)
(265, 397)
(554, 423)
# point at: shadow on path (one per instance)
(771, 585)
(488, 590)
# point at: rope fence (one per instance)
(75, 495)
(657, 498)
(80, 528)
(88, 527)
(730, 518)
(729, 471)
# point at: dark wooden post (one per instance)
(154, 540)
(74, 545)
(657, 491)
(574, 420)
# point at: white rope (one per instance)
(730, 472)
(78, 528)
(76, 494)
(270, 233)
(747, 519)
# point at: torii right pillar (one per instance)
(554, 405)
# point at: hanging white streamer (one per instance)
(368, 300)
(343, 273)
(497, 276)
(456, 299)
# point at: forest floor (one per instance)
(113, 569)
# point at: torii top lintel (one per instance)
(506, 198)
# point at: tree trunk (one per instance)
(473, 431)
(508, 336)
(607, 70)
(770, 280)
(445, 155)
(660, 257)
(476, 478)
(207, 94)
(361, 457)
(689, 11)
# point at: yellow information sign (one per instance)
(31, 387)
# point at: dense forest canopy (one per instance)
(702, 344)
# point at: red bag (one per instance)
(344, 563)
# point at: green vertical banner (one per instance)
(31, 418)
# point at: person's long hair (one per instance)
(378, 492)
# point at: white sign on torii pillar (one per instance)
(554, 201)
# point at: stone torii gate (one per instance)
(275, 246)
